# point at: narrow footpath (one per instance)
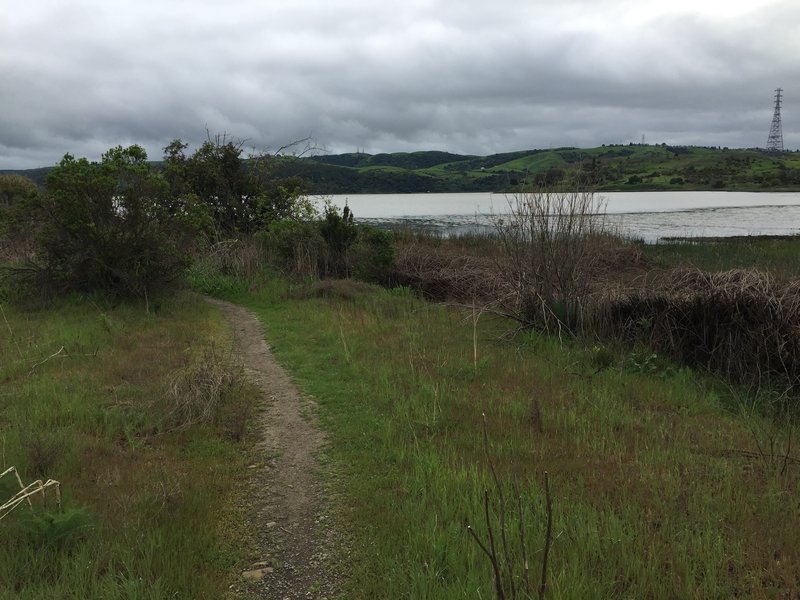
(287, 501)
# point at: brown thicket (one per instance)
(741, 324)
(445, 272)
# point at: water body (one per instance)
(645, 215)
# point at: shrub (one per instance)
(105, 226)
(373, 255)
(740, 324)
(339, 233)
(551, 243)
(326, 248)
(295, 247)
(241, 194)
(17, 208)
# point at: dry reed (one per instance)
(197, 392)
(740, 324)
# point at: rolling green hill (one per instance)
(614, 167)
(631, 167)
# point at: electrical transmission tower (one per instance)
(775, 139)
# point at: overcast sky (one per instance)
(460, 75)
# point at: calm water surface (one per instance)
(646, 215)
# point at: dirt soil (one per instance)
(295, 541)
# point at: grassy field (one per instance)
(149, 498)
(665, 483)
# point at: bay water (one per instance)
(649, 216)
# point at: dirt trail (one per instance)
(288, 501)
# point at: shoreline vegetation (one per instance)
(609, 168)
(611, 419)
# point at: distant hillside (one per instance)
(402, 160)
(631, 167)
(608, 168)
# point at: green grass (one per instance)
(148, 508)
(533, 164)
(776, 256)
(666, 483)
(659, 489)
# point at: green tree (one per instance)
(216, 175)
(242, 194)
(107, 226)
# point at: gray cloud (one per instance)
(463, 76)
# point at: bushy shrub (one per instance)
(295, 247)
(339, 233)
(241, 193)
(372, 255)
(332, 247)
(18, 196)
(106, 226)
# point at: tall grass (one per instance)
(777, 256)
(84, 399)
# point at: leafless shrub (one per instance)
(551, 241)
(507, 551)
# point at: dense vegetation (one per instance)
(123, 227)
(609, 167)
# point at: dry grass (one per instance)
(443, 271)
(240, 258)
(469, 270)
(197, 392)
(741, 324)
